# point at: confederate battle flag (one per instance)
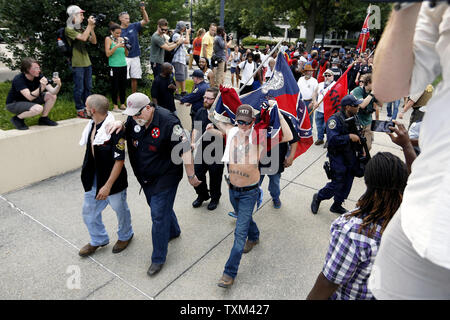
(364, 35)
(332, 99)
(281, 87)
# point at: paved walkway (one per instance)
(42, 230)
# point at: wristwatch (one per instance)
(191, 177)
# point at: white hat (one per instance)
(73, 10)
(136, 102)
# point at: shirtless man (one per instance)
(243, 157)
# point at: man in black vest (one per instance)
(104, 178)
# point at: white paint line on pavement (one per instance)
(12, 205)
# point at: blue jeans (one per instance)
(164, 221)
(311, 114)
(320, 123)
(396, 104)
(243, 204)
(82, 85)
(92, 216)
(274, 185)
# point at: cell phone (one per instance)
(55, 75)
(142, 4)
(381, 126)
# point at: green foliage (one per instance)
(35, 22)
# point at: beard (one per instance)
(141, 122)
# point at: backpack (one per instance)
(168, 55)
(63, 45)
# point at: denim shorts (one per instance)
(233, 70)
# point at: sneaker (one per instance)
(19, 123)
(232, 214)
(82, 114)
(315, 203)
(183, 93)
(276, 203)
(177, 96)
(45, 121)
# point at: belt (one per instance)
(307, 100)
(242, 189)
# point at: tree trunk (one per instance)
(311, 25)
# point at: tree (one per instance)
(35, 22)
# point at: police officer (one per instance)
(155, 140)
(195, 98)
(343, 149)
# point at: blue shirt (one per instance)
(132, 33)
(195, 98)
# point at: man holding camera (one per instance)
(343, 148)
(81, 64)
(179, 57)
(131, 32)
(27, 96)
(367, 107)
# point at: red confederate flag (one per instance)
(333, 97)
(364, 35)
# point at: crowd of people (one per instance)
(158, 146)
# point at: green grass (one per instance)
(63, 109)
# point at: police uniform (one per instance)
(195, 98)
(343, 155)
(150, 150)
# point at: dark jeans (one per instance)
(215, 180)
(82, 85)
(246, 89)
(118, 84)
(243, 204)
(164, 221)
(339, 187)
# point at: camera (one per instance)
(188, 26)
(99, 18)
(230, 36)
(381, 126)
(50, 81)
(127, 43)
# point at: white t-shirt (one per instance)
(322, 92)
(235, 59)
(247, 72)
(307, 87)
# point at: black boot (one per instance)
(337, 208)
(315, 203)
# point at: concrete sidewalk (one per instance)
(42, 230)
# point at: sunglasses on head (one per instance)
(243, 123)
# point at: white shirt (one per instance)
(307, 87)
(425, 208)
(321, 93)
(247, 72)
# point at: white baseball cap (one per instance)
(73, 10)
(136, 102)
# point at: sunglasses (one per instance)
(328, 75)
(243, 123)
(164, 30)
(139, 112)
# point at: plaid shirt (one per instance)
(180, 54)
(350, 258)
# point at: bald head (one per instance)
(99, 103)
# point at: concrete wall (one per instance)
(39, 153)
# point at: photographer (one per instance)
(344, 148)
(131, 31)
(179, 57)
(367, 107)
(27, 98)
(116, 49)
(81, 64)
(218, 59)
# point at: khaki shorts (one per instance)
(134, 70)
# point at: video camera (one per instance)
(99, 18)
(355, 127)
(127, 43)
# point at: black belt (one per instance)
(307, 100)
(242, 189)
